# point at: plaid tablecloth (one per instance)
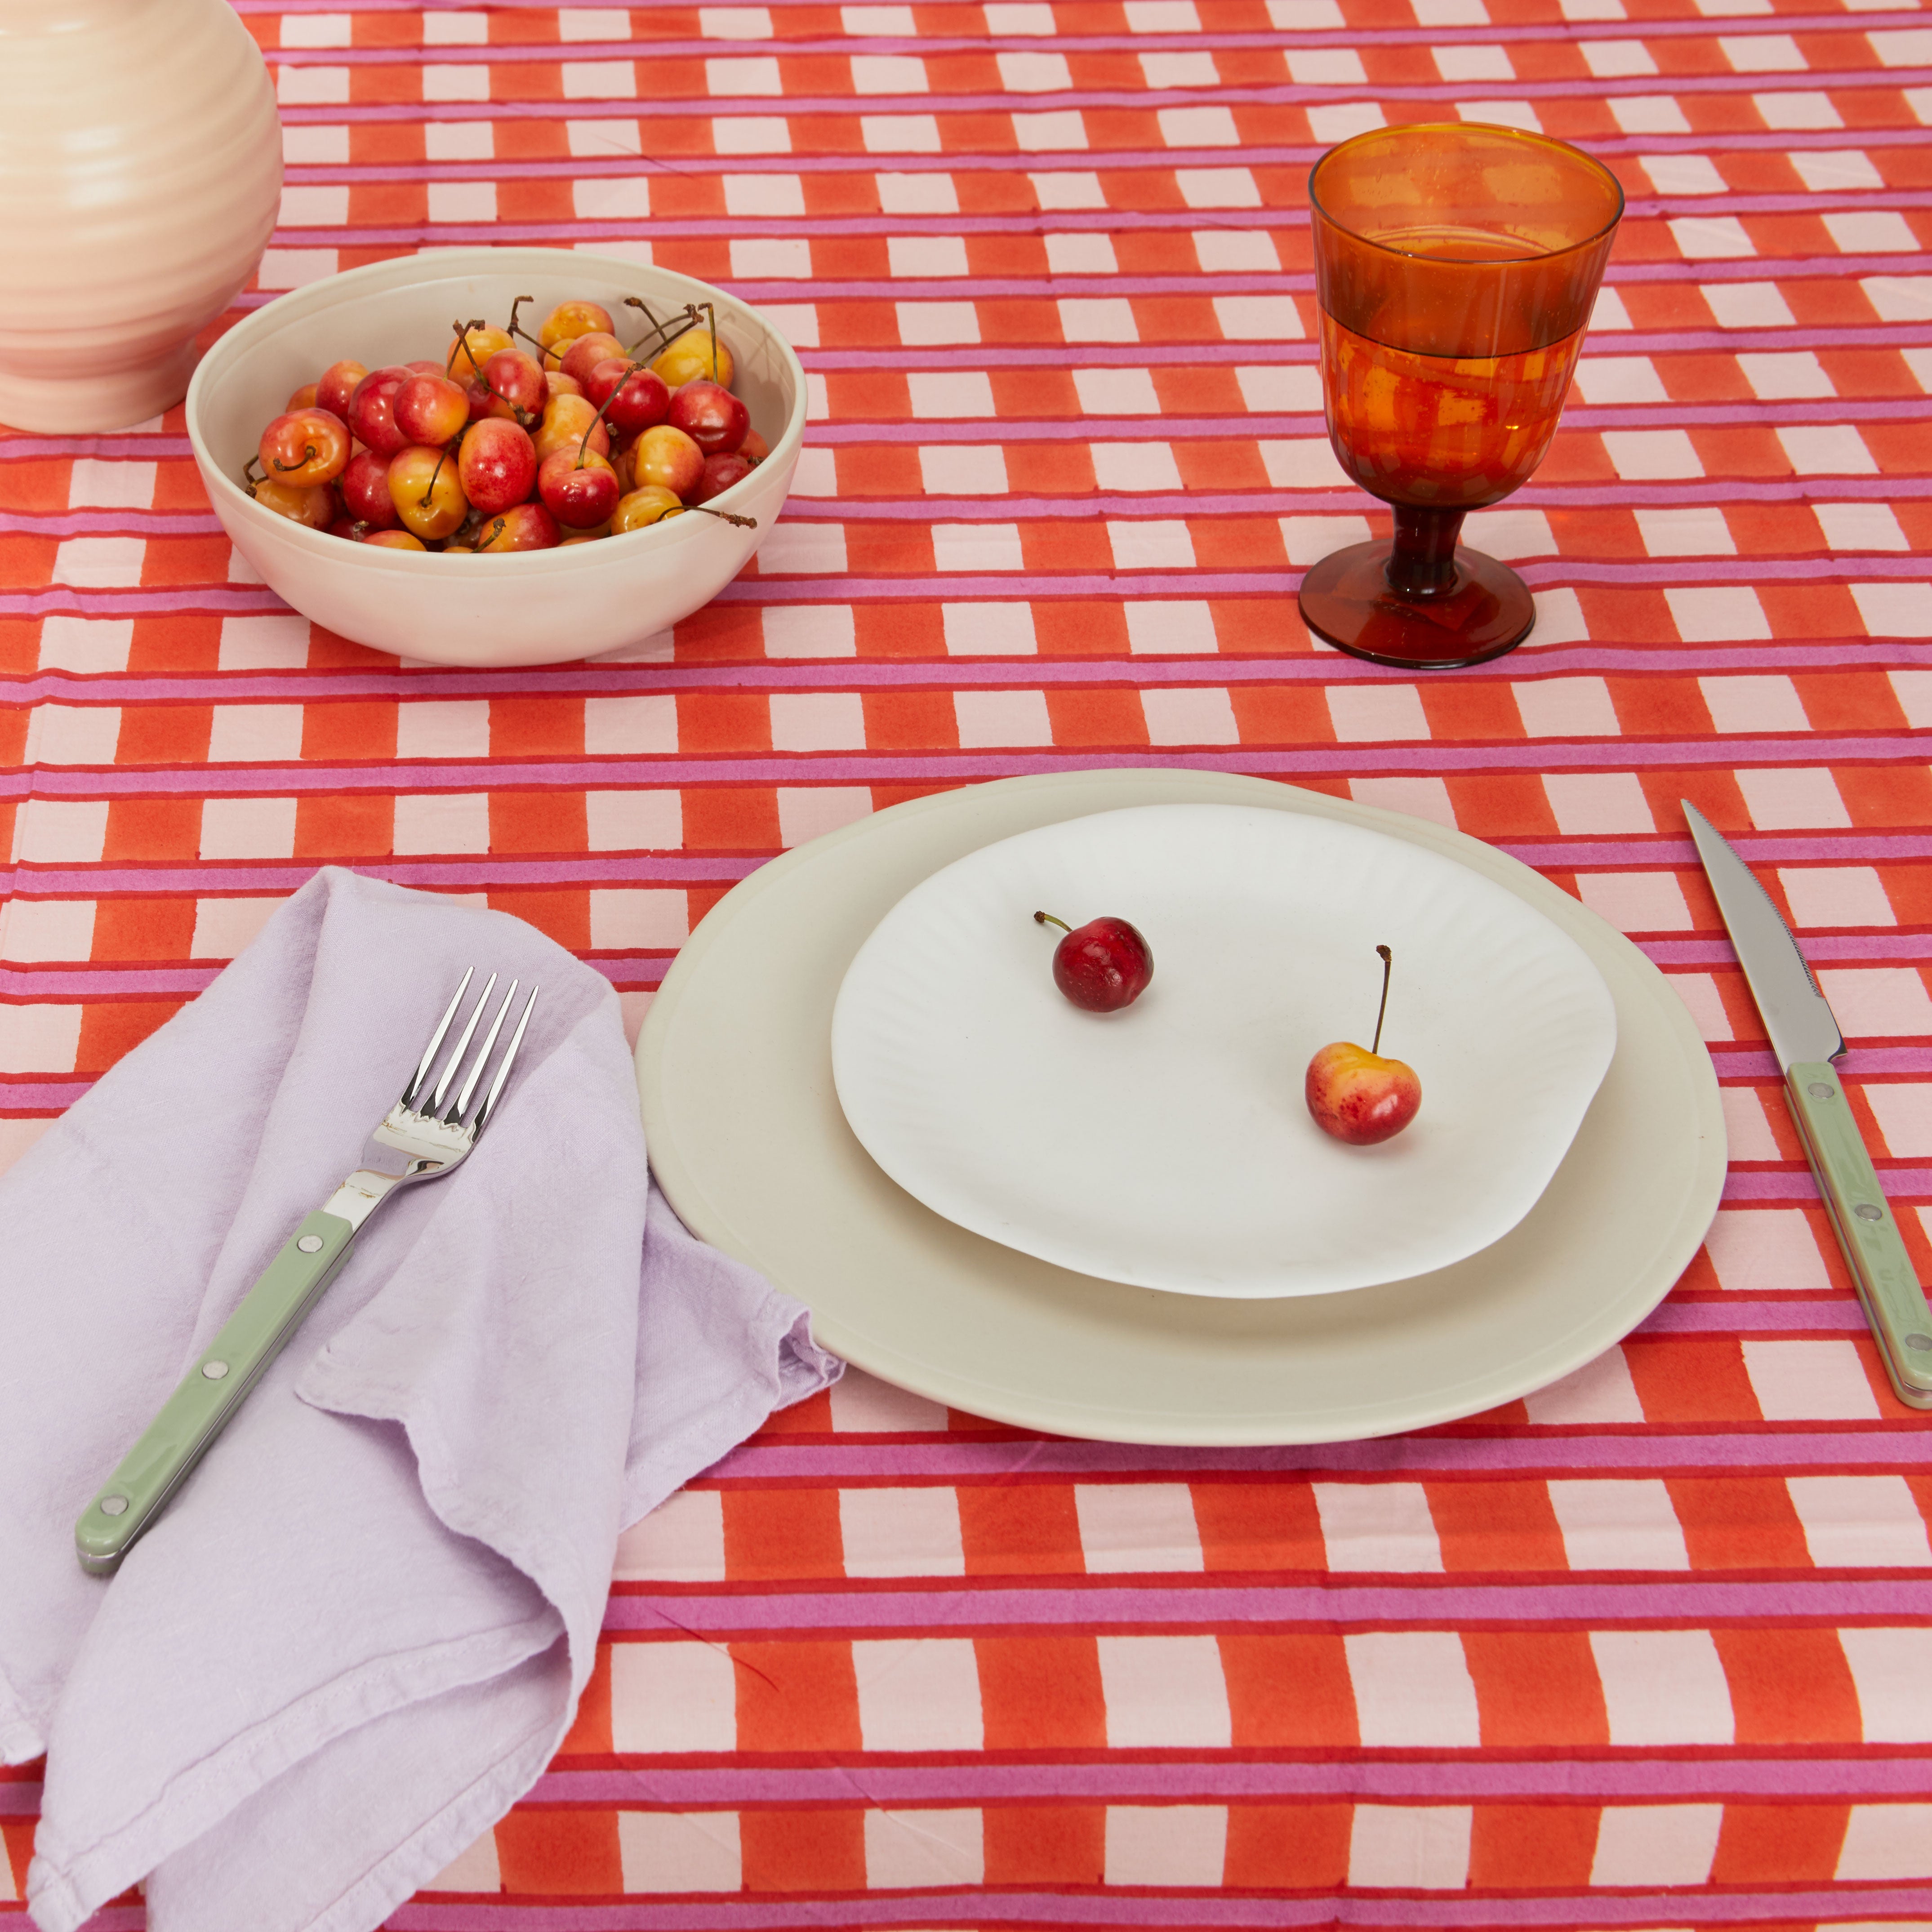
(1653, 1648)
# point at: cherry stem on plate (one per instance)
(1047, 918)
(1388, 964)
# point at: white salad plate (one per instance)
(748, 1140)
(1169, 1145)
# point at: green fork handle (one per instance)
(211, 1391)
(1862, 1219)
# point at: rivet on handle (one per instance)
(1818, 1091)
(310, 1244)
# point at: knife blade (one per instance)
(1805, 1036)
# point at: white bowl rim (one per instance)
(377, 277)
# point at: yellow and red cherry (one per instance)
(372, 411)
(306, 447)
(581, 356)
(430, 409)
(1102, 966)
(315, 507)
(566, 424)
(394, 540)
(570, 319)
(497, 464)
(425, 368)
(556, 383)
(755, 448)
(642, 508)
(304, 398)
(337, 384)
(710, 415)
(720, 473)
(632, 399)
(424, 488)
(666, 456)
(522, 526)
(470, 351)
(689, 356)
(592, 536)
(580, 491)
(515, 386)
(364, 485)
(1363, 1097)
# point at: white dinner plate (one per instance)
(748, 1140)
(1169, 1145)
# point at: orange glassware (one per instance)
(1456, 268)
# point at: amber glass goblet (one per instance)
(1456, 268)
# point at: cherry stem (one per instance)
(496, 526)
(725, 516)
(308, 456)
(1388, 965)
(711, 312)
(429, 488)
(513, 329)
(249, 479)
(1047, 918)
(633, 366)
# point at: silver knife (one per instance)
(1805, 1038)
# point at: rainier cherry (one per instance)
(642, 508)
(689, 356)
(1362, 1098)
(711, 417)
(470, 351)
(394, 540)
(424, 487)
(566, 422)
(581, 357)
(1102, 966)
(497, 464)
(666, 456)
(372, 413)
(431, 408)
(304, 398)
(522, 526)
(568, 320)
(315, 506)
(304, 448)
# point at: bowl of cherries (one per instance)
(499, 456)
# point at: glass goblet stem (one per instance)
(1423, 563)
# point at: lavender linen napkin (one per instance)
(359, 1631)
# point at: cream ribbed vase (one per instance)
(140, 171)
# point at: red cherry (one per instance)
(338, 385)
(364, 485)
(637, 398)
(372, 409)
(720, 473)
(1102, 966)
(304, 448)
(580, 494)
(517, 385)
(584, 354)
(710, 415)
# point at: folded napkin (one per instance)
(360, 1629)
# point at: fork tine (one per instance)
(462, 1046)
(459, 1106)
(484, 1112)
(415, 1087)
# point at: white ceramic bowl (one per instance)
(531, 606)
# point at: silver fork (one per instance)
(428, 1133)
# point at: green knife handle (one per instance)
(211, 1391)
(1881, 1270)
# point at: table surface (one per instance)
(1652, 1648)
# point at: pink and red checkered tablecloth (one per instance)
(1653, 1648)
